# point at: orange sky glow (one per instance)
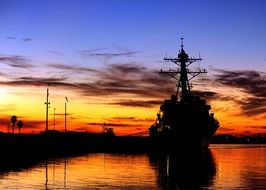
(89, 113)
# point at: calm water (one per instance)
(223, 167)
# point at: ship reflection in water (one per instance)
(190, 171)
(223, 167)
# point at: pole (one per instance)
(65, 116)
(47, 107)
(54, 118)
(65, 112)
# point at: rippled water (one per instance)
(223, 167)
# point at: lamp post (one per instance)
(65, 112)
(47, 107)
(54, 118)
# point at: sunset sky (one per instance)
(104, 56)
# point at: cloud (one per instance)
(27, 39)
(253, 83)
(3, 74)
(259, 127)
(16, 61)
(53, 52)
(7, 107)
(88, 52)
(37, 81)
(109, 124)
(115, 79)
(225, 130)
(71, 68)
(138, 103)
(128, 119)
(206, 94)
(110, 55)
(101, 53)
(129, 79)
(23, 39)
(61, 114)
(11, 38)
(29, 125)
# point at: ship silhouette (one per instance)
(184, 120)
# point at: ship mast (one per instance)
(183, 61)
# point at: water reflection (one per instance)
(113, 171)
(224, 167)
(17, 164)
(184, 171)
(53, 164)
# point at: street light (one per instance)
(54, 118)
(47, 107)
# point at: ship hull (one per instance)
(184, 124)
(181, 142)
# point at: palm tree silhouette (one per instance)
(20, 125)
(13, 120)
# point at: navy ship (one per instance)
(184, 120)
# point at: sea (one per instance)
(223, 166)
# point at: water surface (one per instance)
(223, 167)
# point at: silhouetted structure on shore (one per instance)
(230, 139)
(55, 143)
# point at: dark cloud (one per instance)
(86, 53)
(95, 124)
(110, 55)
(35, 81)
(128, 79)
(206, 94)
(23, 39)
(82, 129)
(223, 129)
(16, 61)
(11, 38)
(108, 124)
(27, 39)
(131, 79)
(126, 69)
(259, 127)
(253, 83)
(53, 52)
(3, 74)
(128, 119)
(60, 114)
(32, 125)
(101, 52)
(138, 103)
(71, 68)
(117, 79)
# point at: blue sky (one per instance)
(227, 33)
